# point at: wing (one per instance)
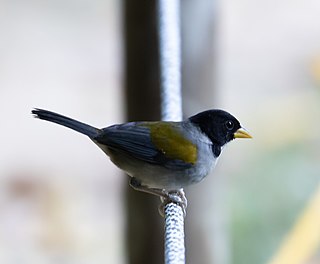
(158, 143)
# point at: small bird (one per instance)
(161, 157)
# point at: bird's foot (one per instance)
(175, 196)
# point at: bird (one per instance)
(161, 156)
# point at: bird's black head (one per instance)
(220, 126)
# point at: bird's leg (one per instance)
(176, 196)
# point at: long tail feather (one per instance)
(83, 128)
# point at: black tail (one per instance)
(90, 131)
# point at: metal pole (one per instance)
(170, 59)
(171, 110)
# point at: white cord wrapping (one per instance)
(174, 234)
(171, 108)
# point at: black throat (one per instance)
(216, 150)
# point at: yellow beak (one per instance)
(242, 133)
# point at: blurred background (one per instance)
(61, 199)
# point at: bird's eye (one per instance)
(229, 125)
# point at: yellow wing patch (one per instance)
(167, 138)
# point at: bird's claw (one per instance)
(177, 196)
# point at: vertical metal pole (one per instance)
(171, 109)
(170, 59)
